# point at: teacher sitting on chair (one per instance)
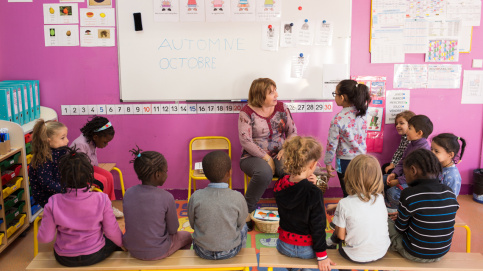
(263, 126)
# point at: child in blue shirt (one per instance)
(446, 147)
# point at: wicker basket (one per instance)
(266, 226)
(322, 178)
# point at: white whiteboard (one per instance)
(228, 67)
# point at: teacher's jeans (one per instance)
(261, 173)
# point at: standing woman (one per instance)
(263, 126)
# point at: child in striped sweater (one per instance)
(424, 223)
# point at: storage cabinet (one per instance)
(17, 209)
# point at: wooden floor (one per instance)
(18, 255)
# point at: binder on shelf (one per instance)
(23, 111)
(5, 105)
(27, 95)
(36, 96)
(13, 102)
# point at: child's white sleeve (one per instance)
(339, 215)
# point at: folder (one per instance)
(36, 96)
(19, 97)
(5, 105)
(13, 102)
(27, 95)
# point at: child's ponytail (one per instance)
(40, 144)
(147, 163)
(463, 146)
(357, 94)
(75, 170)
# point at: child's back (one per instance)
(217, 216)
(80, 217)
(150, 217)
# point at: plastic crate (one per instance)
(11, 173)
(28, 148)
(12, 186)
(14, 211)
(13, 198)
(35, 208)
(1, 237)
(15, 224)
(9, 161)
(28, 138)
(29, 158)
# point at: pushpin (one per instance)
(291, 24)
(269, 26)
(306, 20)
(300, 7)
(324, 21)
(301, 55)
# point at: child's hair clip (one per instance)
(139, 154)
(73, 154)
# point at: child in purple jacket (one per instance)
(87, 231)
(419, 128)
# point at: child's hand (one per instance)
(313, 179)
(325, 264)
(280, 154)
(272, 165)
(124, 249)
(330, 169)
(393, 183)
(390, 177)
(392, 216)
(391, 166)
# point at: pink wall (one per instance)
(80, 75)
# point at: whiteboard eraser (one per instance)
(477, 63)
(138, 25)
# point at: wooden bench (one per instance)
(112, 166)
(461, 223)
(270, 257)
(180, 260)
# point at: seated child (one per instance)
(446, 147)
(424, 226)
(419, 128)
(217, 214)
(361, 218)
(150, 212)
(49, 140)
(401, 128)
(97, 133)
(301, 203)
(87, 231)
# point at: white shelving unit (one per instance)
(17, 141)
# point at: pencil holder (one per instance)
(4, 147)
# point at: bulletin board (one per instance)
(225, 56)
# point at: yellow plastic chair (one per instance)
(247, 179)
(205, 143)
(110, 167)
(36, 232)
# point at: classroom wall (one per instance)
(81, 75)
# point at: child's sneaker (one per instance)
(330, 244)
(117, 212)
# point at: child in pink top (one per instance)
(87, 231)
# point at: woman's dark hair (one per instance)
(96, 122)
(75, 170)
(449, 142)
(357, 94)
(147, 163)
(426, 161)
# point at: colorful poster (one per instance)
(192, 10)
(166, 10)
(97, 17)
(61, 13)
(61, 35)
(217, 10)
(442, 50)
(374, 118)
(97, 36)
(243, 10)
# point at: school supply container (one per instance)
(12, 186)
(1, 234)
(9, 161)
(265, 225)
(13, 198)
(14, 211)
(15, 224)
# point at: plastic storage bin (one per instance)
(10, 173)
(12, 186)
(13, 198)
(9, 161)
(1, 237)
(14, 211)
(15, 225)
(29, 158)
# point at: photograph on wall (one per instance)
(374, 118)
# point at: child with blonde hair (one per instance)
(361, 218)
(48, 142)
(301, 203)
